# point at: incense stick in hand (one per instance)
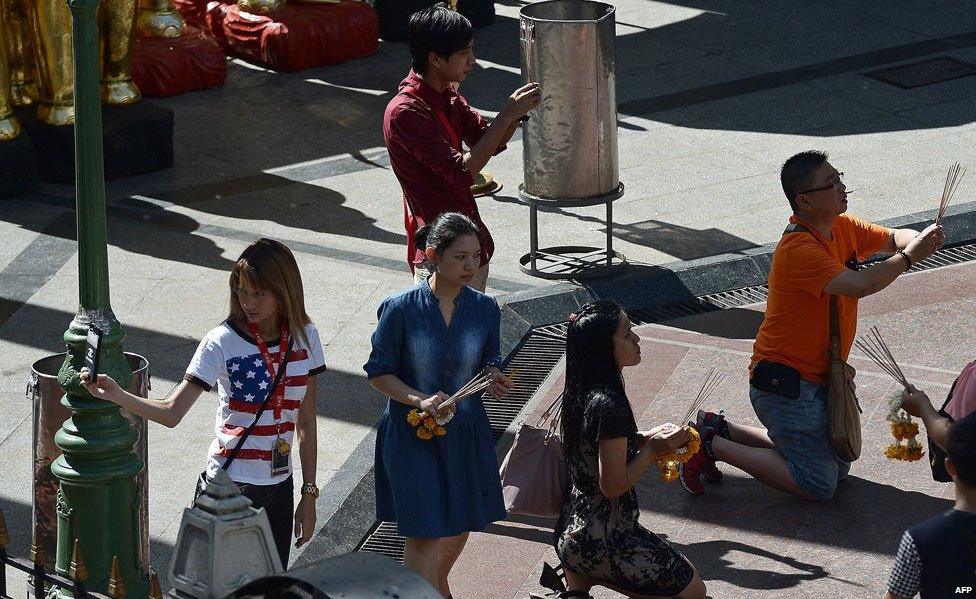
(873, 345)
(711, 383)
(954, 176)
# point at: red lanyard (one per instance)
(451, 133)
(278, 400)
(455, 142)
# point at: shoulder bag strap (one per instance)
(551, 415)
(274, 385)
(833, 309)
(834, 329)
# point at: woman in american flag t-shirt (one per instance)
(240, 359)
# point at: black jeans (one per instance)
(279, 503)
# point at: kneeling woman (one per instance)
(430, 340)
(598, 538)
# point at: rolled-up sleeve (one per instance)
(473, 124)
(418, 133)
(387, 342)
(492, 355)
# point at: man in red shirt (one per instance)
(426, 122)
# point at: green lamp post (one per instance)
(98, 502)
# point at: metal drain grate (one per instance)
(534, 359)
(544, 347)
(924, 72)
(384, 540)
(760, 293)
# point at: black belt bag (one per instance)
(773, 377)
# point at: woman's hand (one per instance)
(500, 384)
(104, 387)
(667, 438)
(915, 402)
(304, 519)
(432, 404)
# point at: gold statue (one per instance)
(50, 22)
(159, 18)
(9, 126)
(23, 84)
(260, 7)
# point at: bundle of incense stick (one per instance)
(475, 385)
(955, 175)
(712, 381)
(873, 345)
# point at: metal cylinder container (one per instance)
(49, 414)
(570, 141)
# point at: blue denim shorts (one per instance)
(798, 428)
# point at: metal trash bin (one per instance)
(49, 414)
(569, 143)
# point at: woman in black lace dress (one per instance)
(598, 538)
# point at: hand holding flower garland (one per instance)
(903, 429)
(667, 464)
(436, 411)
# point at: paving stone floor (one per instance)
(746, 539)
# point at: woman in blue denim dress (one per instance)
(430, 340)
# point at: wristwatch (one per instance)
(310, 489)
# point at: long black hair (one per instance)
(590, 365)
(444, 230)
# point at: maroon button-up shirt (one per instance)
(428, 165)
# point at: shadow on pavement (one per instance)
(284, 201)
(730, 323)
(682, 243)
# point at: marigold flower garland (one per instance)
(429, 426)
(667, 464)
(903, 429)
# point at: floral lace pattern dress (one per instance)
(601, 538)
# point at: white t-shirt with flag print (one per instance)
(228, 359)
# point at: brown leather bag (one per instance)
(843, 409)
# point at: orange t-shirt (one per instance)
(795, 330)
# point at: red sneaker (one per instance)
(690, 473)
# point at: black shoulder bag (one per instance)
(202, 479)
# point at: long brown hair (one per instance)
(268, 265)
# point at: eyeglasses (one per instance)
(837, 185)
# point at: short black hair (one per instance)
(797, 173)
(961, 447)
(440, 30)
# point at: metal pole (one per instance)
(98, 501)
(533, 236)
(609, 233)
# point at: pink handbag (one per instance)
(533, 472)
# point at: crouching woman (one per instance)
(598, 538)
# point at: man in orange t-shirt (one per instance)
(816, 258)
